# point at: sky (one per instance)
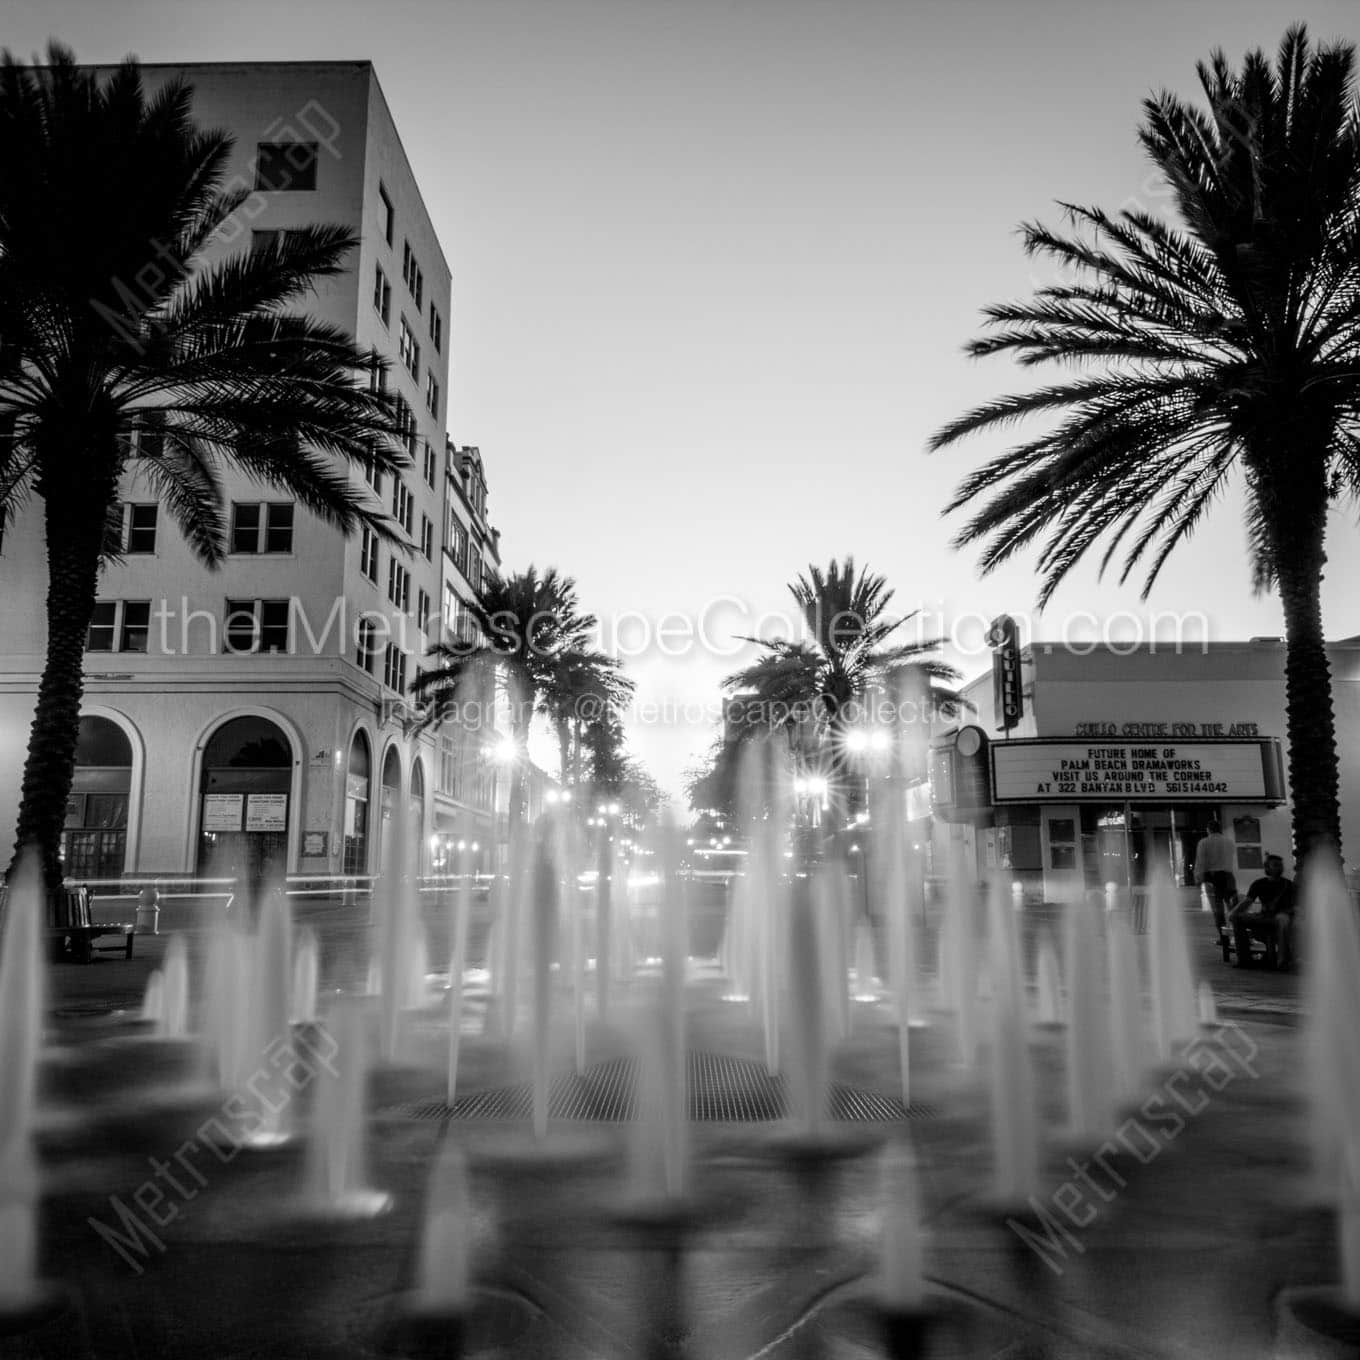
(714, 263)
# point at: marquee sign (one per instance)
(1060, 770)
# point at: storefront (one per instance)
(1116, 763)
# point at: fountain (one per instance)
(1128, 1025)
(460, 907)
(153, 1002)
(1014, 1117)
(306, 970)
(830, 1232)
(175, 1020)
(337, 1178)
(605, 936)
(1324, 1320)
(904, 1317)
(545, 889)
(958, 950)
(817, 992)
(271, 979)
(395, 900)
(25, 1298)
(1048, 983)
(1090, 1104)
(1173, 991)
(900, 880)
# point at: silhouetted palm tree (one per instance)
(526, 624)
(111, 321)
(1229, 347)
(811, 689)
(583, 685)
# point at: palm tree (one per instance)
(811, 689)
(111, 322)
(582, 685)
(526, 624)
(1226, 347)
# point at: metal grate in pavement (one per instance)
(720, 1090)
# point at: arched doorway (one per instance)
(94, 838)
(416, 808)
(358, 793)
(243, 792)
(391, 791)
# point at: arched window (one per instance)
(94, 839)
(244, 787)
(391, 792)
(358, 791)
(417, 817)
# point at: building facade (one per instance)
(1119, 758)
(254, 718)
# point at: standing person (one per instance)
(1215, 860)
(1268, 908)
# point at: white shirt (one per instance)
(1216, 852)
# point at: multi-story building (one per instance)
(253, 716)
(470, 790)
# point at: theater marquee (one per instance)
(1065, 771)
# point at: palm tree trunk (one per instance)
(73, 577)
(564, 748)
(1311, 726)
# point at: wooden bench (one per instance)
(73, 933)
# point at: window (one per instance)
(431, 394)
(387, 216)
(382, 296)
(427, 537)
(399, 585)
(102, 624)
(258, 528)
(367, 644)
(1247, 837)
(139, 529)
(401, 504)
(458, 541)
(135, 627)
(394, 668)
(423, 610)
(126, 622)
(267, 240)
(474, 570)
(368, 554)
(431, 465)
(245, 528)
(377, 377)
(256, 625)
(448, 764)
(410, 273)
(406, 423)
(278, 528)
(436, 328)
(283, 166)
(409, 349)
(373, 474)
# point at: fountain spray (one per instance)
(22, 976)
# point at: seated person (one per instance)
(1267, 911)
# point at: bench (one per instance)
(1262, 950)
(73, 933)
